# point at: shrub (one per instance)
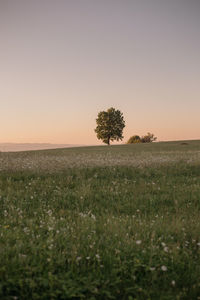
(148, 138)
(134, 139)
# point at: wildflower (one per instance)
(173, 282)
(138, 242)
(78, 258)
(164, 268)
(22, 255)
(166, 249)
(198, 244)
(50, 246)
(93, 217)
(152, 268)
(49, 212)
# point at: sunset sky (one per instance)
(63, 61)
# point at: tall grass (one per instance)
(119, 222)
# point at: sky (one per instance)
(63, 61)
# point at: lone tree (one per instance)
(110, 125)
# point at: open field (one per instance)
(118, 222)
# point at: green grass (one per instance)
(118, 222)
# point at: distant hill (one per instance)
(6, 147)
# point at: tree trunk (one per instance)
(108, 141)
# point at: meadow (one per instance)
(103, 222)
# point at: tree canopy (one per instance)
(110, 125)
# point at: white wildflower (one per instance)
(93, 217)
(22, 255)
(173, 282)
(164, 268)
(50, 246)
(138, 242)
(49, 212)
(78, 258)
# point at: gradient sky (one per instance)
(63, 61)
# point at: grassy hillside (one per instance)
(118, 222)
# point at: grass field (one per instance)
(118, 222)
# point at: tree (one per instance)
(148, 138)
(134, 139)
(110, 125)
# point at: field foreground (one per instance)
(118, 222)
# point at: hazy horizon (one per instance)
(6, 147)
(9, 147)
(64, 61)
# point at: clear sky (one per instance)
(63, 61)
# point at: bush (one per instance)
(134, 139)
(148, 138)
